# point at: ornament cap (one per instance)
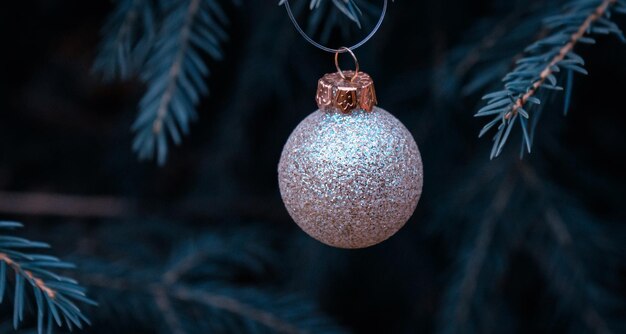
(346, 91)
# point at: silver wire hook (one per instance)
(340, 50)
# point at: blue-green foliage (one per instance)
(218, 283)
(54, 296)
(555, 233)
(544, 56)
(489, 217)
(328, 16)
(349, 8)
(168, 44)
(175, 73)
(129, 35)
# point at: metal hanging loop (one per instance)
(343, 49)
(356, 63)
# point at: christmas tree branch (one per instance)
(563, 259)
(55, 296)
(349, 8)
(472, 57)
(544, 59)
(162, 300)
(194, 292)
(237, 307)
(175, 74)
(38, 283)
(164, 293)
(175, 70)
(551, 67)
(175, 67)
(128, 36)
(473, 266)
(486, 55)
(555, 232)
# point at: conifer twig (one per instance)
(175, 74)
(175, 68)
(198, 277)
(232, 305)
(54, 296)
(538, 69)
(560, 56)
(17, 268)
(127, 39)
(471, 274)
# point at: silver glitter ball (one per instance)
(350, 180)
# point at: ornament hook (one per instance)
(356, 63)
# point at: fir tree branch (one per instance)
(37, 282)
(127, 39)
(487, 53)
(162, 301)
(563, 262)
(164, 294)
(349, 8)
(198, 284)
(552, 229)
(175, 71)
(545, 58)
(236, 307)
(175, 68)
(472, 57)
(472, 268)
(55, 296)
(551, 68)
(175, 74)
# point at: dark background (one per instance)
(505, 246)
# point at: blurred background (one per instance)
(510, 245)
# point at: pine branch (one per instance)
(237, 305)
(477, 260)
(162, 301)
(349, 8)
(567, 248)
(196, 291)
(545, 58)
(489, 49)
(326, 18)
(55, 296)
(127, 39)
(536, 220)
(551, 68)
(175, 74)
(567, 278)
(473, 56)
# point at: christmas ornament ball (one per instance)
(350, 180)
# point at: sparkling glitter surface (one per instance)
(350, 180)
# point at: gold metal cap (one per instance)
(346, 91)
